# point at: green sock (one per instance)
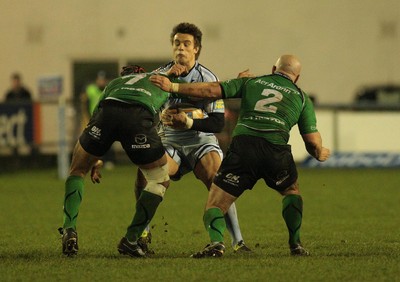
(215, 224)
(146, 207)
(292, 211)
(72, 200)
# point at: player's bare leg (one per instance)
(205, 170)
(141, 182)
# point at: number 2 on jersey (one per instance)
(273, 97)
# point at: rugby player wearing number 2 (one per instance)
(270, 106)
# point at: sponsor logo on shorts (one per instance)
(280, 181)
(140, 140)
(232, 179)
(142, 146)
(95, 132)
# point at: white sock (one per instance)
(232, 224)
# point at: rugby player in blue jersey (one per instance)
(188, 137)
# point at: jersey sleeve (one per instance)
(233, 88)
(307, 121)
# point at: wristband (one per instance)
(189, 122)
(174, 87)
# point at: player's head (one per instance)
(101, 80)
(132, 69)
(289, 65)
(186, 43)
(16, 80)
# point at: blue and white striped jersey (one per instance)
(198, 73)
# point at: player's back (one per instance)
(271, 105)
(136, 88)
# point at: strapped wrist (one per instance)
(189, 123)
(174, 87)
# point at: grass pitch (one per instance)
(350, 226)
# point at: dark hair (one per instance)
(188, 28)
(16, 76)
(131, 69)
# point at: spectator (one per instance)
(17, 92)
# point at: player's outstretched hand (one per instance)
(324, 154)
(245, 73)
(161, 81)
(177, 70)
(95, 174)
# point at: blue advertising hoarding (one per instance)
(19, 124)
(356, 160)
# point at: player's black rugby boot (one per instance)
(69, 241)
(130, 248)
(211, 250)
(298, 250)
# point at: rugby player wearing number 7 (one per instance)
(270, 106)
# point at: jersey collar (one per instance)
(284, 75)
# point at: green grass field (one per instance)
(351, 227)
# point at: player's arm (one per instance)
(214, 123)
(178, 119)
(211, 90)
(313, 143)
(308, 129)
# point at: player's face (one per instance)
(184, 50)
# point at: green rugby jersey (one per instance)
(136, 88)
(271, 105)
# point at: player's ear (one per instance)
(196, 49)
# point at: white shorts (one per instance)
(187, 154)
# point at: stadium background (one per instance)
(343, 45)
